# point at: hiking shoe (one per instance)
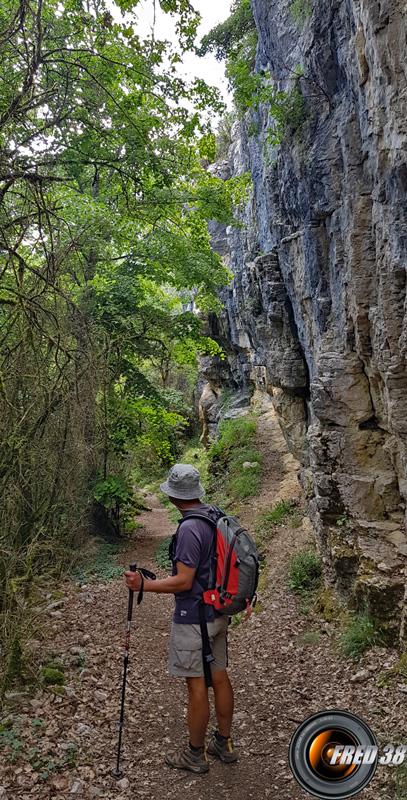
(223, 749)
(187, 759)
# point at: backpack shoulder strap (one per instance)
(214, 524)
(206, 517)
(197, 516)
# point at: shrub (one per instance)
(305, 572)
(359, 635)
(116, 497)
(235, 445)
(287, 109)
(227, 37)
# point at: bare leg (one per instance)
(224, 701)
(198, 710)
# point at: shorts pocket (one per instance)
(188, 659)
(186, 648)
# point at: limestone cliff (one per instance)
(316, 313)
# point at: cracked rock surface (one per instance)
(316, 313)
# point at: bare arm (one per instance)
(181, 582)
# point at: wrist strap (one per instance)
(144, 573)
(141, 591)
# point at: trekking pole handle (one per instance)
(132, 568)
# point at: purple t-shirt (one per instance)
(193, 546)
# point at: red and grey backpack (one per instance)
(234, 573)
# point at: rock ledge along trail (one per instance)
(279, 680)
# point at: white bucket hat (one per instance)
(183, 483)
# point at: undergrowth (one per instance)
(401, 782)
(396, 673)
(17, 739)
(101, 566)
(359, 635)
(267, 521)
(228, 479)
(305, 572)
(161, 556)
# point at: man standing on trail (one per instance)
(191, 552)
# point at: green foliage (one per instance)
(305, 572)
(237, 619)
(104, 207)
(278, 514)
(161, 555)
(115, 494)
(101, 567)
(52, 677)
(400, 668)
(235, 40)
(325, 605)
(194, 453)
(234, 433)
(401, 782)
(173, 512)
(70, 756)
(227, 37)
(267, 521)
(396, 673)
(300, 11)
(10, 739)
(235, 445)
(246, 484)
(111, 491)
(288, 112)
(359, 635)
(17, 743)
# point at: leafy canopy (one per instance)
(104, 204)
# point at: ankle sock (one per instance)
(221, 738)
(195, 749)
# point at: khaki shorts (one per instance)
(185, 655)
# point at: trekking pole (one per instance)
(144, 573)
(117, 772)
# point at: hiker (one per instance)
(191, 552)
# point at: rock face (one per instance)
(316, 313)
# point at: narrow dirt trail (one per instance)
(278, 680)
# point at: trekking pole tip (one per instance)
(117, 773)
